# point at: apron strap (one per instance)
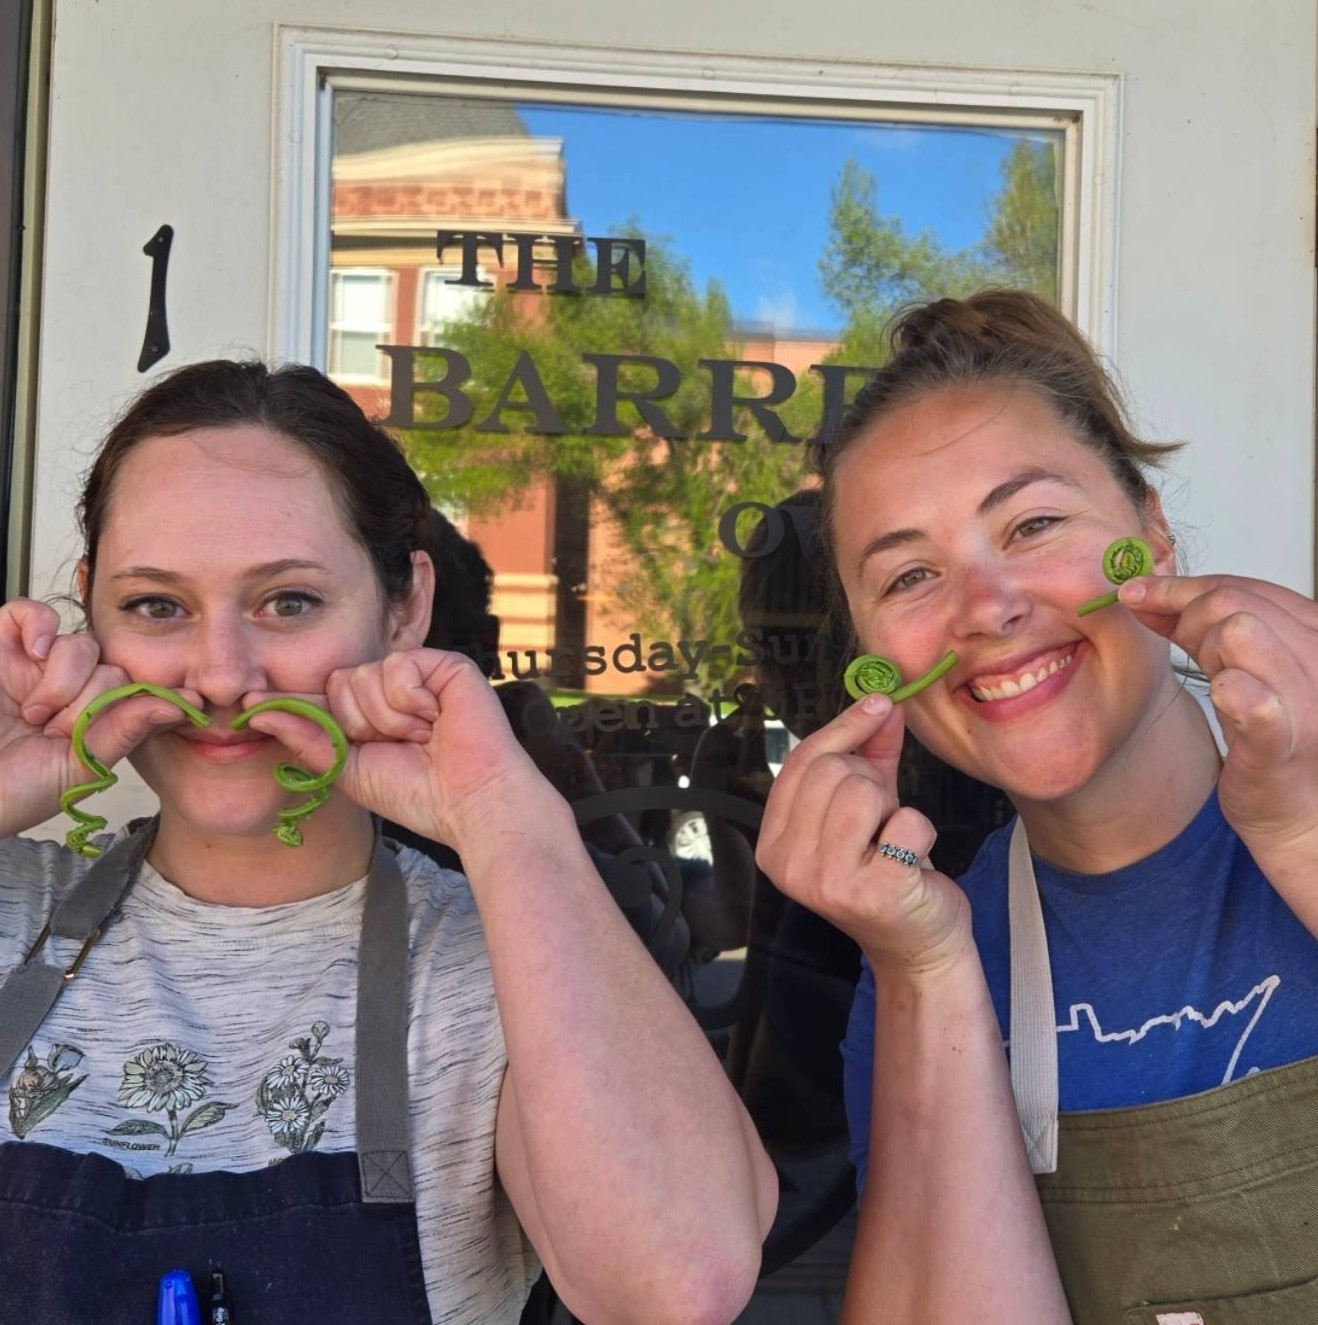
(1033, 1017)
(381, 1091)
(32, 989)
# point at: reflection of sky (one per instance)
(747, 200)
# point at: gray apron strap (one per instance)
(31, 990)
(1033, 1018)
(382, 1123)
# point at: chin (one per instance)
(1043, 785)
(1048, 770)
(220, 816)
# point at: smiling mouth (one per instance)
(1009, 687)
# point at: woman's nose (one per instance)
(224, 665)
(991, 602)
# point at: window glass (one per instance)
(613, 334)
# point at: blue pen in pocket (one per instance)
(176, 1302)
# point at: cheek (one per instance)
(914, 640)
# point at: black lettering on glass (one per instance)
(472, 242)
(404, 388)
(545, 418)
(724, 400)
(835, 394)
(614, 258)
(609, 394)
(767, 535)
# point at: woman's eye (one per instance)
(291, 604)
(154, 609)
(909, 579)
(1036, 524)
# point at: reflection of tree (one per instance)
(1022, 238)
(870, 266)
(665, 497)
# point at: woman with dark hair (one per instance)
(362, 1087)
(1142, 935)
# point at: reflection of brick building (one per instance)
(406, 166)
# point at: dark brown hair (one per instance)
(382, 500)
(998, 336)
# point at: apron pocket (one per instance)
(1297, 1305)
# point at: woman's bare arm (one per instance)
(950, 1225)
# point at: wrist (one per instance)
(951, 963)
(518, 813)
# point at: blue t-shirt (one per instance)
(1176, 974)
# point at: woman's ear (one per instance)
(1158, 536)
(84, 577)
(411, 619)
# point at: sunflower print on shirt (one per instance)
(167, 1078)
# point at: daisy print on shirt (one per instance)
(295, 1095)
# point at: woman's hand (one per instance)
(1258, 645)
(46, 680)
(430, 747)
(831, 806)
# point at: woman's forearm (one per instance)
(950, 1225)
(650, 1189)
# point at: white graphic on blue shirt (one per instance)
(1224, 1031)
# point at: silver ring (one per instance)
(904, 854)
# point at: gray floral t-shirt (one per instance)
(202, 1037)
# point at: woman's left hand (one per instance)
(1258, 645)
(429, 748)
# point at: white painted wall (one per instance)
(162, 112)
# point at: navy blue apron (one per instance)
(324, 1238)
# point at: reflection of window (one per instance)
(361, 300)
(440, 303)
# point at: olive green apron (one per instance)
(1196, 1211)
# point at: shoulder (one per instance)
(25, 860)
(450, 963)
(34, 875)
(438, 897)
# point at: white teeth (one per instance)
(1028, 680)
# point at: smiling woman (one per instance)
(252, 555)
(1144, 931)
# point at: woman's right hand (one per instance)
(46, 680)
(831, 806)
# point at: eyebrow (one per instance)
(267, 570)
(1003, 493)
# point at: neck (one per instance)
(261, 870)
(1142, 798)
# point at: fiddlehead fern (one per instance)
(292, 778)
(86, 824)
